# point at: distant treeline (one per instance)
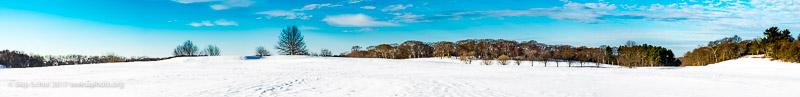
(630, 55)
(18, 59)
(777, 44)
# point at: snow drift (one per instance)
(236, 76)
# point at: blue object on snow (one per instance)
(252, 57)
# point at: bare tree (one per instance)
(325, 53)
(291, 42)
(518, 60)
(212, 50)
(261, 51)
(187, 49)
(467, 57)
(444, 49)
(487, 61)
(503, 59)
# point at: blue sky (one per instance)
(154, 27)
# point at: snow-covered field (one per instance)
(233, 76)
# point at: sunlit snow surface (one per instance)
(233, 76)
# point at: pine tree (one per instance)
(291, 42)
(775, 35)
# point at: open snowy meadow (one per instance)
(304, 76)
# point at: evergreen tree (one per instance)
(775, 35)
(291, 42)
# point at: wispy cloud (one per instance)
(220, 22)
(721, 16)
(396, 7)
(355, 20)
(316, 6)
(221, 4)
(223, 22)
(361, 30)
(202, 23)
(409, 18)
(368, 7)
(577, 12)
(284, 14)
(355, 1)
(308, 28)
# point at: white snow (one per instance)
(233, 76)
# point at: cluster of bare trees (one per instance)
(323, 53)
(18, 59)
(777, 44)
(504, 51)
(408, 49)
(719, 50)
(189, 49)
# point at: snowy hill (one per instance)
(235, 76)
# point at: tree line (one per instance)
(777, 44)
(487, 50)
(18, 59)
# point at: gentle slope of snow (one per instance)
(232, 76)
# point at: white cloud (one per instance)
(355, 20)
(308, 28)
(396, 7)
(409, 18)
(368, 7)
(220, 22)
(285, 14)
(355, 1)
(223, 22)
(361, 30)
(721, 16)
(195, 24)
(712, 16)
(221, 4)
(316, 6)
(577, 12)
